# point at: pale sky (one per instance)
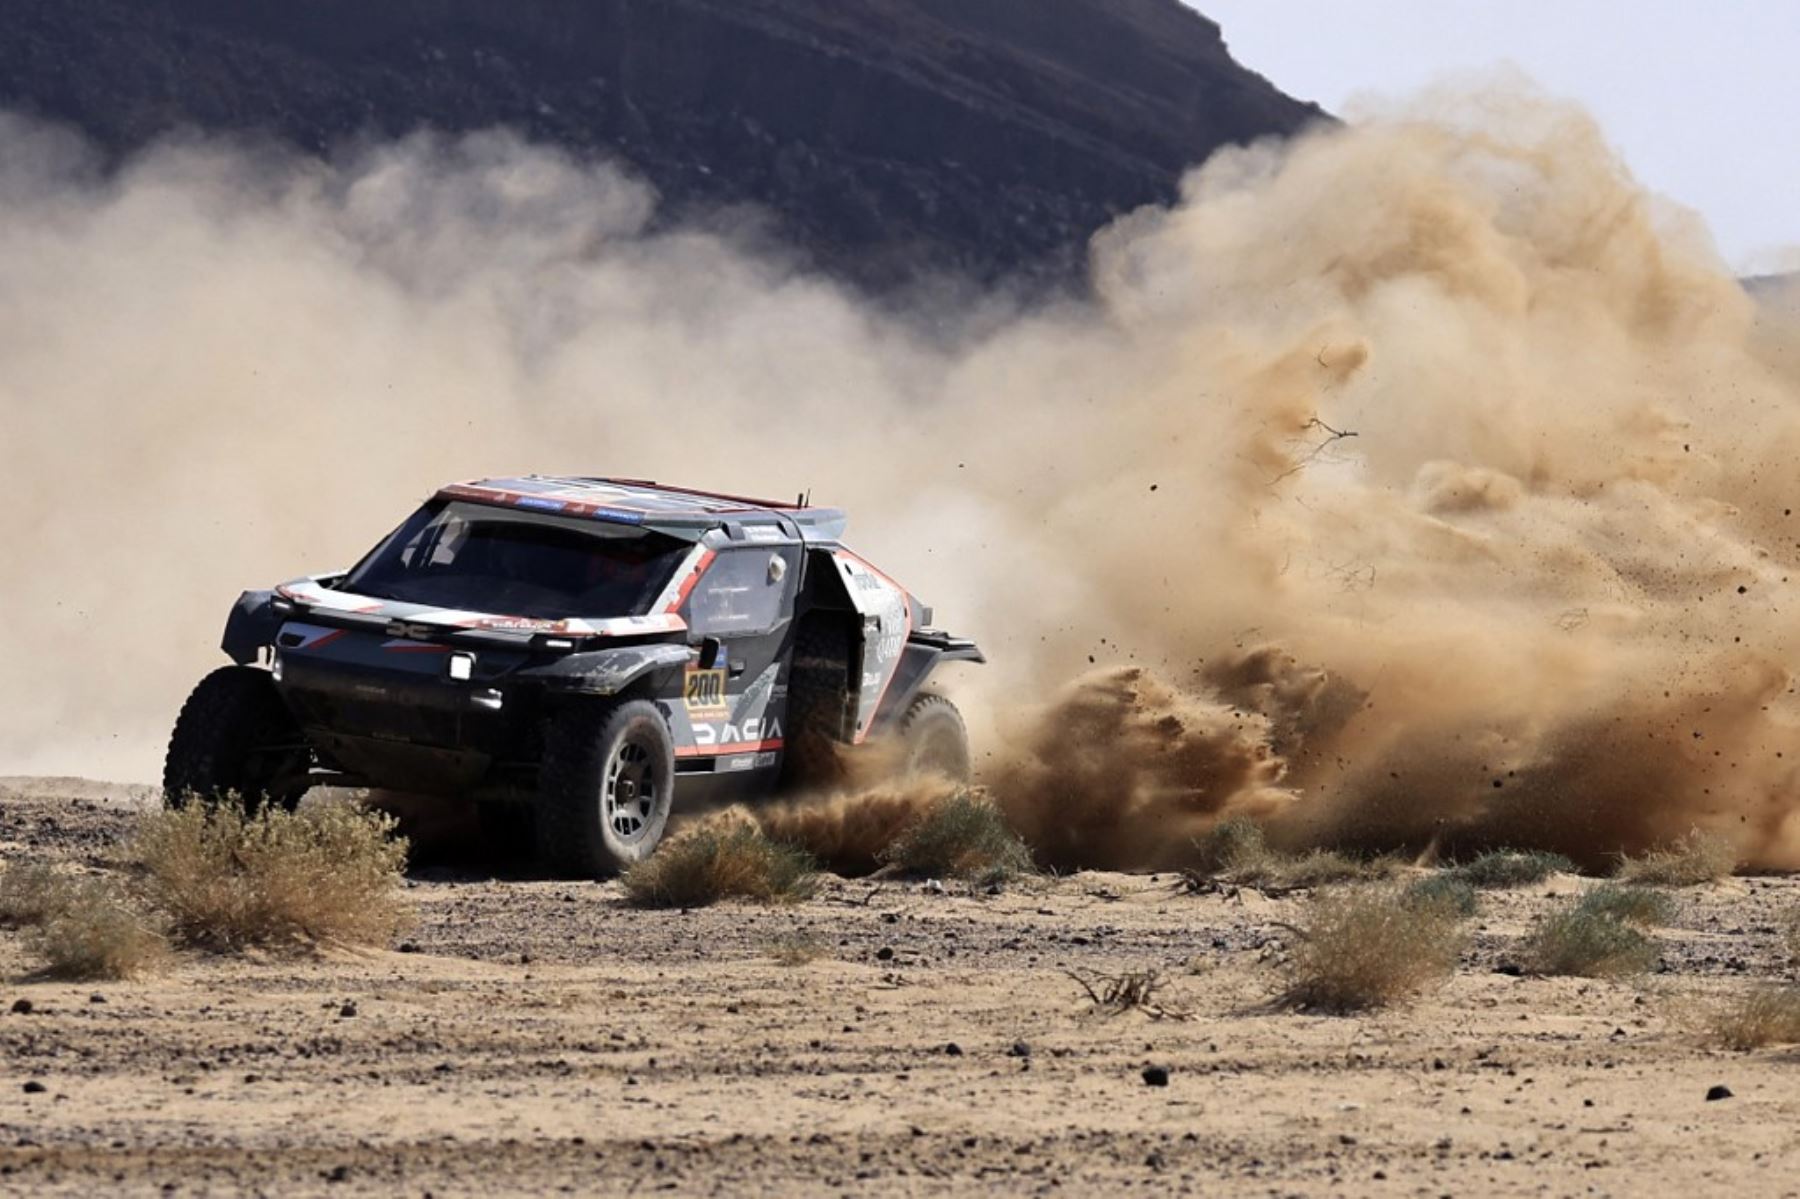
(1703, 99)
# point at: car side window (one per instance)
(744, 591)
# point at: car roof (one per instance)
(682, 510)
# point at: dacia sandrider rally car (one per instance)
(591, 650)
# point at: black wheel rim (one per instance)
(628, 793)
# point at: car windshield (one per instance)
(510, 563)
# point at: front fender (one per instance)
(251, 626)
(606, 671)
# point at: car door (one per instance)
(738, 615)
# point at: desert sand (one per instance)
(531, 1036)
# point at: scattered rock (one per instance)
(1720, 1091)
(884, 954)
(348, 1010)
(409, 947)
(1019, 1049)
(21, 1007)
(337, 1174)
(34, 1087)
(1156, 1076)
(96, 998)
(953, 1050)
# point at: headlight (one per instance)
(462, 667)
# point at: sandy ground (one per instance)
(532, 1036)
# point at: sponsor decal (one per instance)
(703, 691)
(755, 733)
(762, 532)
(622, 516)
(539, 502)
(412, 632)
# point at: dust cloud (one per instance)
(1421, 482)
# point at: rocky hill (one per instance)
(989, 137)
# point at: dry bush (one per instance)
(1696, 859)
(721, 862)
(963, 835)
(1767, 1015)
(1235, 851)
(329, 872)
(28, 894)
(795, 951)
(1134, 990)
(1576, 940)
(91, 930)
(1365, 949)
(1633, 905)
(1502, 868)
(1444, 890)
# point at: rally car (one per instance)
(592, 651)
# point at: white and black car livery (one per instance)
(596, 649)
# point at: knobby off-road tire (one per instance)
(818, 693)
(235, 741)
(605, 787)
(934, 738)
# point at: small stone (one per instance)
(409, 947)
(21, 1007)
(1156, 1076)
(348, 1010)
(338, 1174)
(34, 1087)
(953, 1050)
(1721, 1091)
(96, 998)
(884, 954)
(1020, 1049)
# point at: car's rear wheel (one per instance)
(934, 739)
(818, 694)
(236, 741)
(605, 788)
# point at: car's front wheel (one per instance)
(236, 741)
(605, 788)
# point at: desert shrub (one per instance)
(1766, 1015)
(795, 950)
(713, 863)
(1446, 891)
(29, 893)
(1134, 990)
(1633, 905)
(1512, 868)
(1576, 940)
(92, 930)
(1235, 851)
(1233, 845)
(963, 835)
(1367, 948)
(329, 872)
(1695, 859)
